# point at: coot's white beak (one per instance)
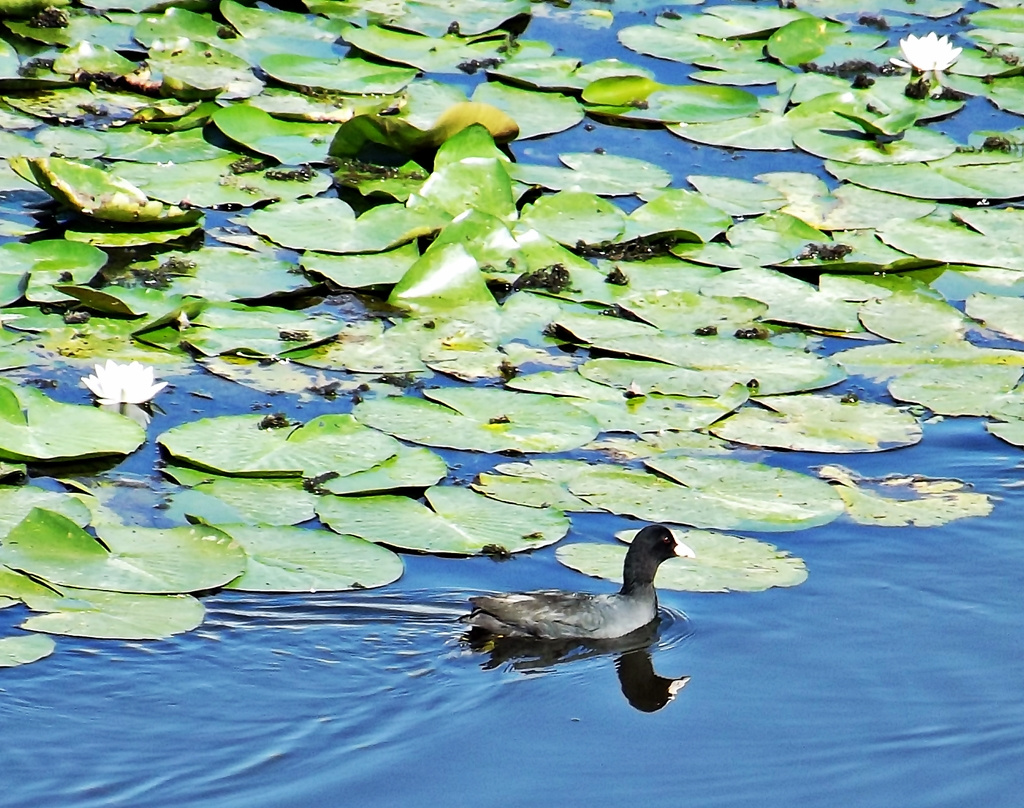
(684, 551)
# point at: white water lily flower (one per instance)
(929, 54)
(114, 383)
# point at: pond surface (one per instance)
(893, 676)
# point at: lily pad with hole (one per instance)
(724, 563)
(916, 501)
(23, 650)
(294, 559)
(482, 420)
(458, 522)
(35, 428)
(113, 615)
(125, 559)
(815, 423)
(46, 263)
(252, 446)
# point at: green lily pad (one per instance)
(328, 224)
(223, 181)
(289, 142)
(724, 563)
(536, 113)
(128, 559)
(913, 317)
(253, 446)
(227, 500)
(482, 420)
(17, 500)
(962, 389)
(820, 424)
(114, 615)
(361, 271)
(571, 217)
(45, 263)
(411, 467)
(917, 501)
(885, 361)
(293, 559)
(16, 651)
(602, 174)
(458, 522)
(349, 75)
(34, 428)
(1004, 315)
(443, 54)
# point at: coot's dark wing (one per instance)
(545, 614)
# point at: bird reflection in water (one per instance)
(643, 688)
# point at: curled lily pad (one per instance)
(254, 446)
(723, 563)
(93, 192)
(815, 423)
(458, 522)
(293, 559)
(917, 501)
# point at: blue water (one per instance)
(892, 677)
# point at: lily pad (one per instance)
(16, 651)
(128, 559)
(93, 192)
(458, 522)
(34, 428)
(820, 424)
(293, 559)
(255, 446)
(114, 615)
(482, 420)
(917, 501)
(724, 563)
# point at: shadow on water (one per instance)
(643, 688)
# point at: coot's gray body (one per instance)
(556, 615)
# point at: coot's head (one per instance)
(658, 543)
